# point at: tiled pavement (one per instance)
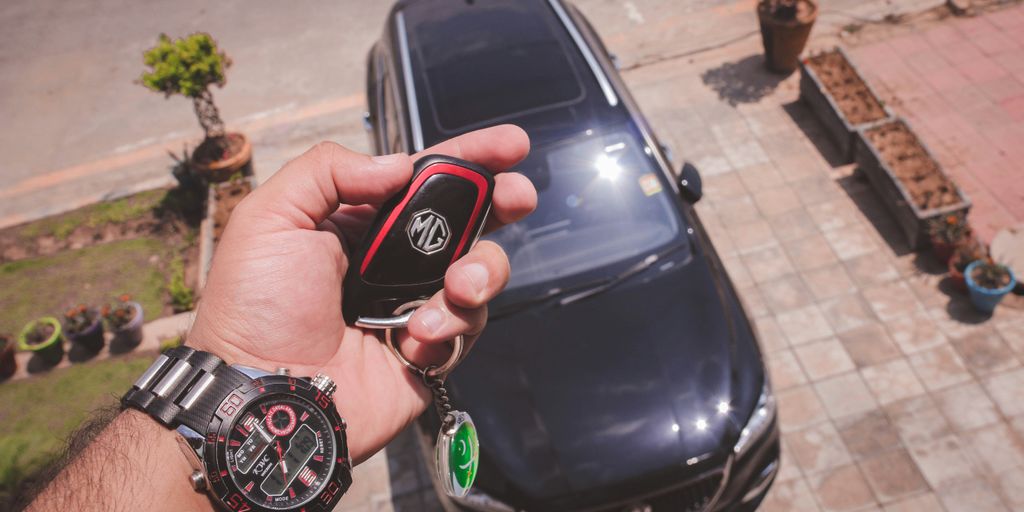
(893, 394)
(961, 84)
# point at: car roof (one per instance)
(486, 62)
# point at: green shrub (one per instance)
(189, 66)
(183, 298)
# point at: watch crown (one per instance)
(324, 384)
(284, 371)
(198, 480)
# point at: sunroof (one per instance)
(489, 59)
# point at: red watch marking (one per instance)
(248, 486)
(304, 417)
(437, 168)
(234, 443)
(289, 428)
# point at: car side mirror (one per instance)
(690, 188)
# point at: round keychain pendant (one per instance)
(457, 454)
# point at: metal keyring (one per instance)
(432, 371)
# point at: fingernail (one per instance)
(387, 159)
(432, 319)
(477, 275)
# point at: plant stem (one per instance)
(209, 116)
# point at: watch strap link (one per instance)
(183, 386)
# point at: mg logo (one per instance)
(428, 231)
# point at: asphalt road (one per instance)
(78, 128)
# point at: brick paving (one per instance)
(893, 394)
(961, 84)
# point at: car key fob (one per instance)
(416, 236)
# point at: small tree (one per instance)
(189, 66)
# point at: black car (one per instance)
(618, 370)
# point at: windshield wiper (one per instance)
(576, 293)
(607, 284)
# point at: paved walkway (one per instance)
(961, 85)
(892, 392)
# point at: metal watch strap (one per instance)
(183, 386)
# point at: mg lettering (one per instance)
(428, 231)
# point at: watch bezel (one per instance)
(223, 489)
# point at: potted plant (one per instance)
(189, 66)
(988, 282)
(8, 365)
(84, 327)
(964, 255)
(124, 319)
(947, 233)
(785, 27)
(44, 338)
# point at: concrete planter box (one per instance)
(206, 229)
(911, 219)
(838, 127)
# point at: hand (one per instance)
(273, 297)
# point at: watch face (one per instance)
(279, 450)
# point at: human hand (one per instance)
(273, 296)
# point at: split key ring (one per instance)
(401, 320)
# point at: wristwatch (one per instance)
(257, 441)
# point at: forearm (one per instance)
(133, 464)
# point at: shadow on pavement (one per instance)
(80, 354)
(411, 488)
(860, 191)
(37, 364)
(743, 81)
(815, 132)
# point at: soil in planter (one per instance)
(228, 195)
(847, 88)
(918, 172)
(221, 148)
(39, 335)
(992, 280)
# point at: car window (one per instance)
(601, 200)
(392, 129)
(491, 60)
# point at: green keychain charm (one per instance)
(457, 454)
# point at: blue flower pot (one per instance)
(986, 299)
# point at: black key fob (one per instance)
(416, 236)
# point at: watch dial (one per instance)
(281, 451)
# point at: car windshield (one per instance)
(601, 200)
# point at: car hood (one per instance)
(629, 383)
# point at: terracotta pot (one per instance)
(943, 250)
(222, 170)
(955, 276)
(8, 365)
(784, 40)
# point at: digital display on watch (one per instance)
(281, 451)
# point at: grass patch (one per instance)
(38, 413)
(99, 214)
(48, 285)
